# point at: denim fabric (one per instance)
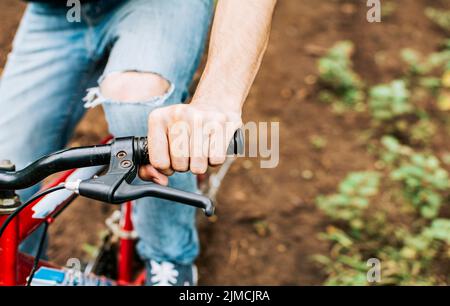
(54, 61)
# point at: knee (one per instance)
(133, 86)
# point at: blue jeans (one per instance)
(54, 61)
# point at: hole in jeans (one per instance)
(133, 86)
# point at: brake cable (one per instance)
(38, 255)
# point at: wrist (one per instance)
(213, 91)
(221, 103)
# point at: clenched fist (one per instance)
(187, 137)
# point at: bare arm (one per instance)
(239, 39)
(180, 136)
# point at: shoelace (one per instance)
(163, 274)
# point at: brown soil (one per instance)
(267, 224)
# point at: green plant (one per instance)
(432, 84)
(446, 44)
(352, 198)
(393, 150)
(420, 65)
(400, 225)
(422, 176)
(326, 96)
(405, 257)
(420, 251)
(414, 61)
(438, 60)
(423, 180)
(439, 230)
(422, 131)
(334, 234)
(336, 73)
(343, 270)
(425, 245)
(318, 142)
(388, 8)
(365, 233)
(388, 101)
(439, 17)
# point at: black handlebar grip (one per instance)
(237, 143)
(235, 147)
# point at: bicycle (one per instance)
(103, 172)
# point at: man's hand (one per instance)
(191, 136)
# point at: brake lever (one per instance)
(122, 168)
(127, 192)
(115, 186)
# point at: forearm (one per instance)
(191, 136)
(239, 39)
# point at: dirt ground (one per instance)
(267, 223)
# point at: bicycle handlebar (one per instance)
(60, 161)
(114, 187)
(82, 157)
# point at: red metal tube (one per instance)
(126, 246)
(9, 244)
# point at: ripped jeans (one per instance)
(54, 62)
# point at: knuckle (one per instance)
(180, 166)
(156, 115)
(199, 168)
(217, 160)
(196, 117)
(179, 128)
(160, 164)
(178, 112)
(198, 171)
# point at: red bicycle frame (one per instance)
(15, 267)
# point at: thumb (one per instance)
(149, 173)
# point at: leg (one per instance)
(40, 94)
(157, 50)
